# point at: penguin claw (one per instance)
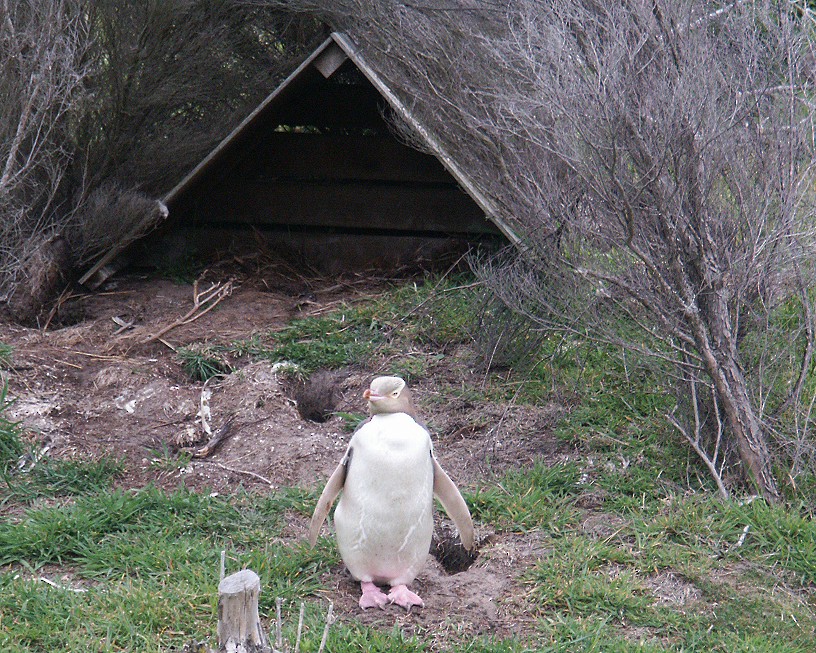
(404, 597)
(373, 597)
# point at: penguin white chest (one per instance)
(384, 519)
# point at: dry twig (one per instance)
(217, 438)
(76, 590)
(203, 302)
(242, 471)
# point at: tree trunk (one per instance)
(752, 441)
(716, 340)
(735, 401)
(239, 627)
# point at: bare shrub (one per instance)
(106, 104)
(42, 273)
(176, 77)
(42, 71)
(656, 158)
(111, 215)
(506, 338)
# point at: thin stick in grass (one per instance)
(279, 622)
(300, 627)
(329, 622)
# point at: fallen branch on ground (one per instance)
(218, 437)
(241, 471)
(203, 302)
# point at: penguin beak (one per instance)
(370, 396)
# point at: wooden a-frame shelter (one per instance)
(316, 168)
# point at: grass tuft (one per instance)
(202, 362)
(437, 313)
(329, 342)
(61, 478)
(528, 499)
(5, 355)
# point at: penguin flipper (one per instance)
(333, 487)
(453, 503)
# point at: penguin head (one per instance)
(389, 394)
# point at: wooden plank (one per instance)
(292, 156)
(403, 208)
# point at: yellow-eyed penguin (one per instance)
(388, 479)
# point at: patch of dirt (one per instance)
(96, 387)
(673, 590)
(488, 599)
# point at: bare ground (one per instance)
(91, 388)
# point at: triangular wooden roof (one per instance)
(327, 58)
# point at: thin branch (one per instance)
(215, 441)
(203, 302)
(329, 622)
(241, 471)
(695, 445)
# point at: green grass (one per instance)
(150, 560)
(748, 567)
(60, 478)
(596, 591)
(574, 579)
(435, 313)
(749, 589)
(203, 362)
(350, 421)
(327, 342)
(540, 497)
(5, 355)
(11, 446)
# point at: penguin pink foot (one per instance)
(404, 597)
(373, 597)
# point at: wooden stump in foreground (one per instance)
(239, 626)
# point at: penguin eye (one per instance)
(395, 394)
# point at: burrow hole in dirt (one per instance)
(316, 397)
(447, 548)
